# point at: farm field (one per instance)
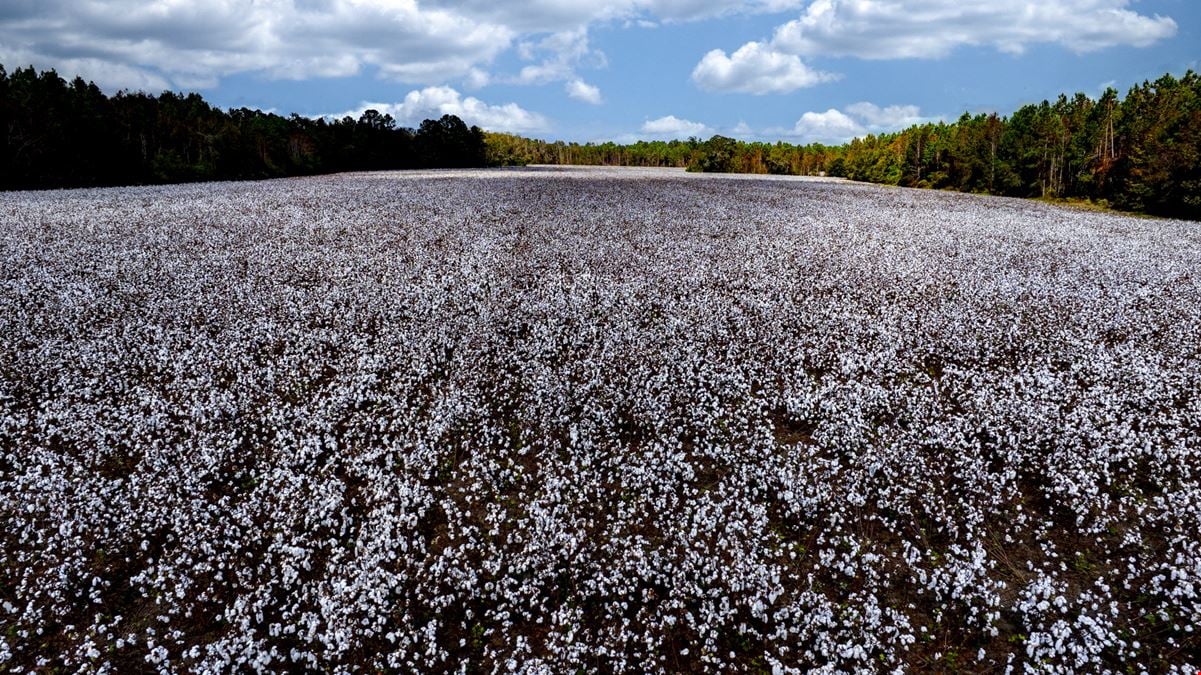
(610, 420)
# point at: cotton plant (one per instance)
(594, 419)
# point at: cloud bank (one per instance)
(834, 127)
(902, 29)
(755, 68)
(173, 43)
(890, 29)
(434, 102)
(670, 126)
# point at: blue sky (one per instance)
(796, 70)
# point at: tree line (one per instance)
(1138, 153)
(718, 154)
(55, 133)
(1141, 153)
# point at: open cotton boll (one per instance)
(541, 420)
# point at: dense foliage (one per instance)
(718, 155)
(1141, 153)
(596, 420)
(59, 134)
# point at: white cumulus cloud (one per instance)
(559, 57)
(476, 79)
(888, 118)
(892, 29)
(755, 68)
(888, 29)
(831, 127)
(742, 130)
(434, 102)
(671, 126)
(176, 43)
(197, 42)
(858, 119)
(582, 91)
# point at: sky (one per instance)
(596, 70)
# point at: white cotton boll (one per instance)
(555, 410)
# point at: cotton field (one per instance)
(601, 420)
